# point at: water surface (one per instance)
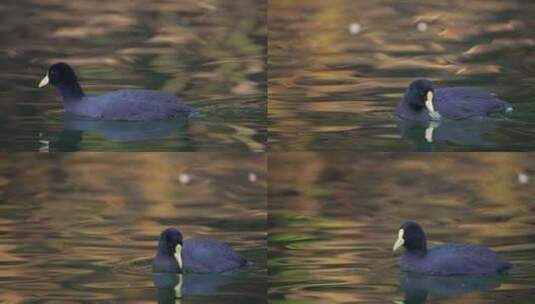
(84, 227)
(209, 53)
(338, 68)
(334, 219)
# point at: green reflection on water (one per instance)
(210, 53)
(84, 227)
(338, 247)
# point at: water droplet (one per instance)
(354, 28)
(184, 178)
(421, 26)
(523, 178)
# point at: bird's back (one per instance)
(457, 259)
(136, 104)
(466, 102)
(203, 255)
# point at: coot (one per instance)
(448, 259)
(126, 104)
(194, 255)
(423, 102)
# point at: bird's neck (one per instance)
(165, 249)
(71, 92)
(410, 104)
(417, 253)
(410, 101)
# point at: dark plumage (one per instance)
(127, 104)
(125, 131)
(450, 103)
(197, 255)
(448, 259)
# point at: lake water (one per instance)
(338, 68)
(334, 218)
(84, 227)
(209, 53)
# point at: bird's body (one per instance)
(467, 102)
(203, 255)
(126, 104)
(130, 104)
(454, 259)
(447, 259)
(194, 255)
(452, 103)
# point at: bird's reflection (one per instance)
(70, 138)
(418, 287)
(169, 287)
(126, 130)
(173, 287)
(424, 135)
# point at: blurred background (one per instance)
(334, 218)
(211, 53)
(338, 68)
(84, 227)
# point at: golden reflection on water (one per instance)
(68, 221)
(326, 77)
(334, 218)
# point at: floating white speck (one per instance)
(184, 178)
(523, 178)
(354, 28)
(421, 26)
(252, 177)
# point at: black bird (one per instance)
(423, 102)
(194, 256)
(447, 259)
(126, 104)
